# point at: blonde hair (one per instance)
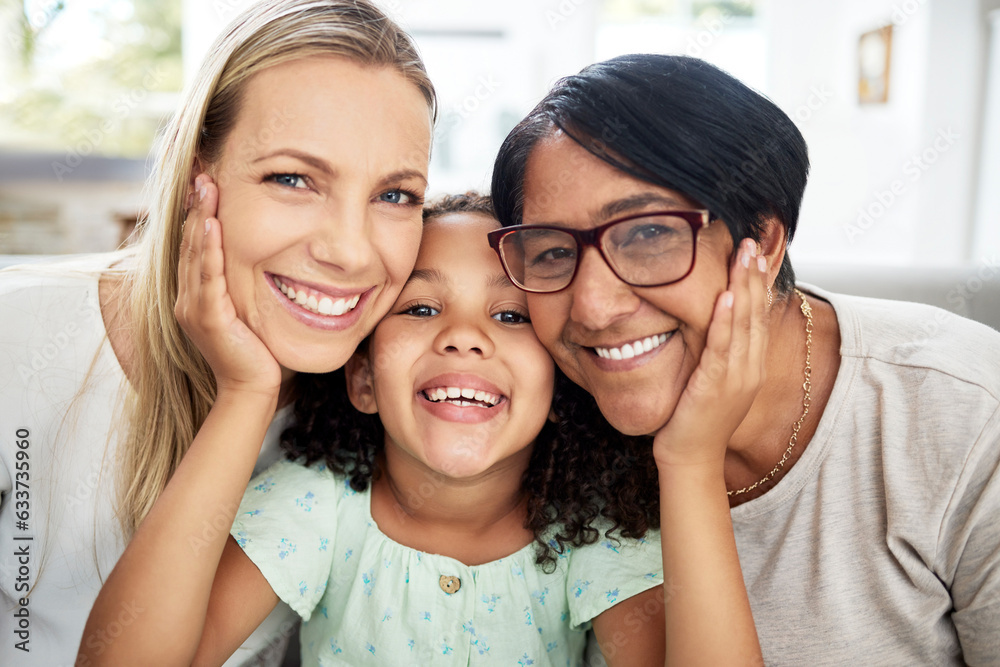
(172, 386)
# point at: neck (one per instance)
(475, 520)
(763, 437)
(432, 498)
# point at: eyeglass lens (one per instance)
(649, 250)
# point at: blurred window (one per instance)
(92, 76)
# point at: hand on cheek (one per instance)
(730, 372)
(205, 310)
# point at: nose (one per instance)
(600, 298)
(464, 337)
(343, 237)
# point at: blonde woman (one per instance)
(306, 137)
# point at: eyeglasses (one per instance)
(645, 250)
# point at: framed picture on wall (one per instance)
(874, 55)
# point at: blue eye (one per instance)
(402, 197)
(288, 180)
(511, 317)
(420, 310)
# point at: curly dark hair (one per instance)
(581, 469)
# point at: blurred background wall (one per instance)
(912, 181)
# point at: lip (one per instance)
(315, 320)
(454, 413)
(332, 292)
(625, 365)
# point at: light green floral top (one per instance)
(367, 600)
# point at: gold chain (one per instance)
(806, 386)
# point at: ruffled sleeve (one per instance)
(285, 524)
(602, 574)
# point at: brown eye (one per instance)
(511, 317)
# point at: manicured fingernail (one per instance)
(746, 259)
(728, 300)
(762, 264)
(208, 225)
(752, 248)
(201, 192)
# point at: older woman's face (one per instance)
(320, 189)
(567, 186)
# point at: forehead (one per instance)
(567, 185)
(460, 236)
(330, 105)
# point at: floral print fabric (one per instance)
(366, 599)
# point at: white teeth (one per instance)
(324, 305)
(631, 350)
(462, 396)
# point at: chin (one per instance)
(632, 417)
(301, 361)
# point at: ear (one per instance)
(773, 240)
(360, 387)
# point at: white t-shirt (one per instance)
(58, 533)
(881, 545)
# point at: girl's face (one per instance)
(455, 371)
(565, 185)
(320, 188)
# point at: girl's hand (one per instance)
(722, 388)
(205, 310)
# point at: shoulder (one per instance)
(56, 272)
(612, 569)
(918, 340)
(39, 295)
(291, 478)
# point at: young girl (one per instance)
(471, 530)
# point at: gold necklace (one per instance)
(806, 386)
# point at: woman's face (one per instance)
(460, 380)
(320, 189)
(565, 185)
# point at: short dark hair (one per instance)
(676, 122)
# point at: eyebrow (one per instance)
(325, 167)
(435, 276)
(638, 201)
(402, 175)
(309, 159)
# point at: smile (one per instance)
(463, 397)
(633, 349)
(315, 301)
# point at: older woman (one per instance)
(863, 483)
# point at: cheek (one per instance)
(549, 314)
(397, 246)
(539, 376)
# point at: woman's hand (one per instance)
(722, 388)
(205, 310)
(708, 620)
